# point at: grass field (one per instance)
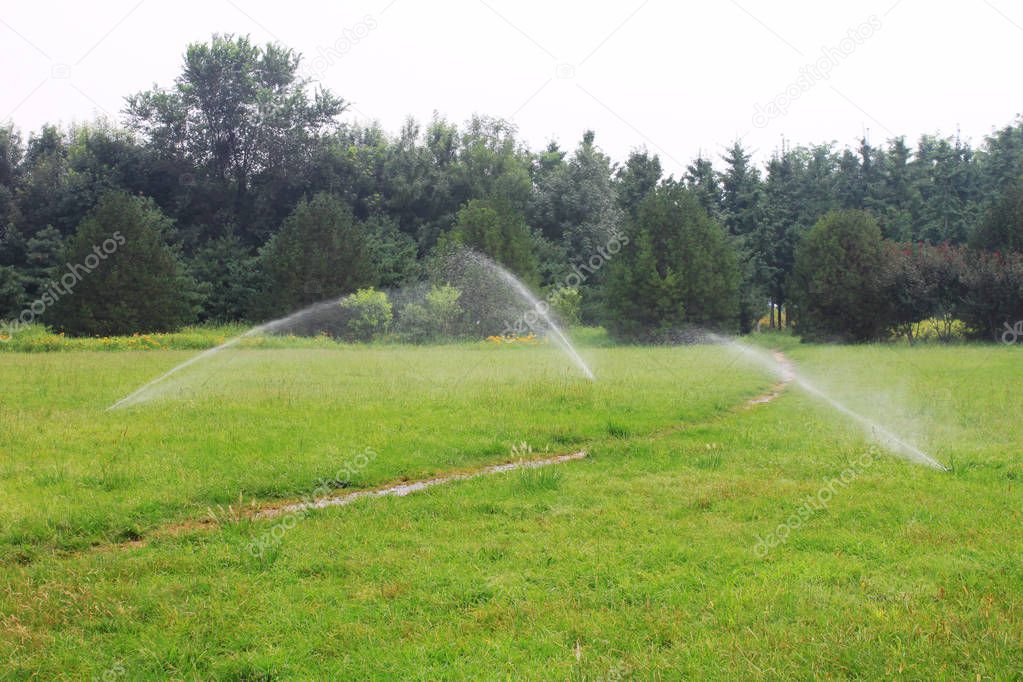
(647, 559)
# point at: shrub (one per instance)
(992, 293)
(947, 290)
(904, 288)
(368, 314)
(943, 267)
(435, 318)
(567, 303)
(922, 283)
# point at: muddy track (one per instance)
(403, 489)
(788, 374)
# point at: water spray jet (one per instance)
(883, 436)
(541, 309)
(141, 394)
(308, 316)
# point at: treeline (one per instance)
(237, 193)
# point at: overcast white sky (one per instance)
(677, 77)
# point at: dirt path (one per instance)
(269, 510)
(788, 373)
(403, 489)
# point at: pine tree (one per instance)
(574, 203)
(701, 178)
(228, 279)
(121, 277)
(12, 296)
(1002, 161)
(636, 179)
(43, 256)
(680, 270)
(320, 252)
(1002, 228)
(740, 188)
(643, 300)
(900, 197)
(948, 182)
(837, 280)
(741, 210)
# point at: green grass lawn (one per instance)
(644, 560)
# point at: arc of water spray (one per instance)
(132, 397)
(541, 309)
(508, 278)
(140, 394)
(885, 437)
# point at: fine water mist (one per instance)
(883, 436)
(495, 303)
(148, 390)
(542, 310)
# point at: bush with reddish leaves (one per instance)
(946, 283)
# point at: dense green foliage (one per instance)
(436, 318)
(991, 299)
(238, 123)
(368, 314)
(240, 153)
(835, 284)
(320, 252)
(677, 269)
(1002, 228)
(849, 285)
(496, 229)
(122, 277)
